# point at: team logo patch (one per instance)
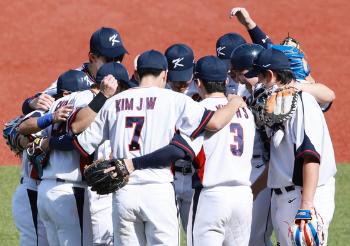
(113, 39)
(177, 61)
(220, 49)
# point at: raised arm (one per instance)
(256, 34)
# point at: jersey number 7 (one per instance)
(238, 143)
(138, 122)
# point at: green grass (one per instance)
(339, 232)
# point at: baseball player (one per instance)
(25, 212)
(180, 59)
(100, 207)
(137, 122)
(105, 46)
(302, 165)
(223, 163)
(241, 61)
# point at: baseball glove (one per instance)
(14, 140)
(291, 48)
(37, 156)
(106, 176)
(280, 105)
(313, 234)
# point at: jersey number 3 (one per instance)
(129, 123)
(238, 143)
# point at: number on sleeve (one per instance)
(238, 142)
(138, 122)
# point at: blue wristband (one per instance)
(44, 121)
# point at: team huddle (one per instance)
(229, 147)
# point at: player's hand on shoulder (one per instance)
(236, 100)
(62, 114)
(243, 17)
(43, 102)
(109, 86)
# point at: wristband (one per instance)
(44, 121)
(97, 103)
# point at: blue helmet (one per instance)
(244, 55)
(72, 81)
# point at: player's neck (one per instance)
(150, 81)
(214, 94)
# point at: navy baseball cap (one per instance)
(72, 81)
(180, 62)
(211, 68)
(118, 71)
(152, 59)
(107, 42)
(226, 44)
(269, 59)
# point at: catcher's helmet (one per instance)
(244, 55)
(72, 80)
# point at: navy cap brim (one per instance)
(115, 52)
(129, 83)
(252, 73)
(183, 75)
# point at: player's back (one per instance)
(225, 156)
(142, 120)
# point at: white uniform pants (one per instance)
(25, 213)
(101, 218)
(285, 206)
(64, 209)
(261, 230)
(220, 216)
(184, 193)
(145, 214)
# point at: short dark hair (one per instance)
(283, 76)
(148, 71)
(214, 86)
(108, 59)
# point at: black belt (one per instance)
(184, 170)
(60, 180)
(278, 191)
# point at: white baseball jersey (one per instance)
(225, 157)
(52, 89)
(305, 132)
(141, 120)
(66, 165)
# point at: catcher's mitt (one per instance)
(14, 140)
(106, 176)
(257, 105)
(37, 156)
(313, 234)
(280, 105)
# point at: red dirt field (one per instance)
(41, 39)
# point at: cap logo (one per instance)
(113, 39)
(219, 49)
(265, 39)
(177, 62)
(267, 65)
